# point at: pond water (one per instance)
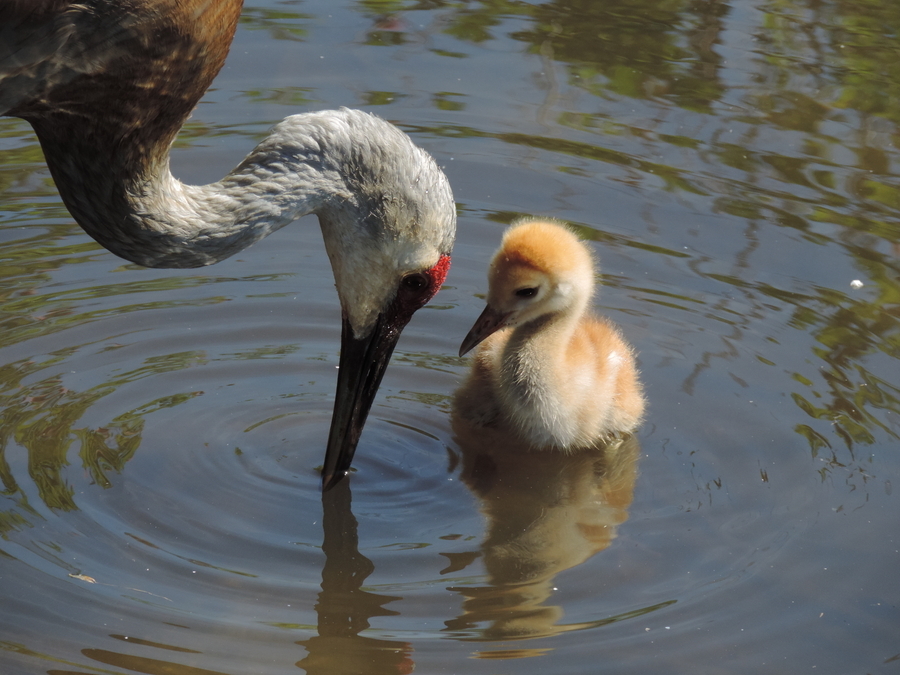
(735, 166)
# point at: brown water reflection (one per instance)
(545, 512)
(344, 609)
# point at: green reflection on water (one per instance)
(40, 416)
(280, 24)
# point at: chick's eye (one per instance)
(414, 282)
(526, 292)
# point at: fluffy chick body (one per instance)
(546, 369)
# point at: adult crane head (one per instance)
(388, 231)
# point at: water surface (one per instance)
(735, 166)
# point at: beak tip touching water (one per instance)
(329, 480)
(361, 366)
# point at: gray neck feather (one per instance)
(360, 174)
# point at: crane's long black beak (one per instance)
(361, 367)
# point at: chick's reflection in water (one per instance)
(546, 512)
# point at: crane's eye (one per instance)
(414, 282)
(526, 292)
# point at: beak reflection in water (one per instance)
(545, 512)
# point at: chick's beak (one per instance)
(361, 366)
(489, 322)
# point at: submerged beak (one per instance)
(361, 367)
(489, 322)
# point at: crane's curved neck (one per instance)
(384, 206)
(130, 202)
